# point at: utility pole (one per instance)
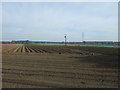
(82, 36)
(65, 39)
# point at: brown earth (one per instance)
(39, 66)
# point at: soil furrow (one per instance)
(35, 50)
(67, 73)
(16, 50)
(23, 49)
(59, 75)
(27, 50)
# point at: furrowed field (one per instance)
(43, 66)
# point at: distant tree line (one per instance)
(17, 42)
(47, 42)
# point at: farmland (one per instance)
(45, 66)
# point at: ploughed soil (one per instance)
(42, 66)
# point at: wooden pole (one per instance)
(65, 40)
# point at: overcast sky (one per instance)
(49, 21)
